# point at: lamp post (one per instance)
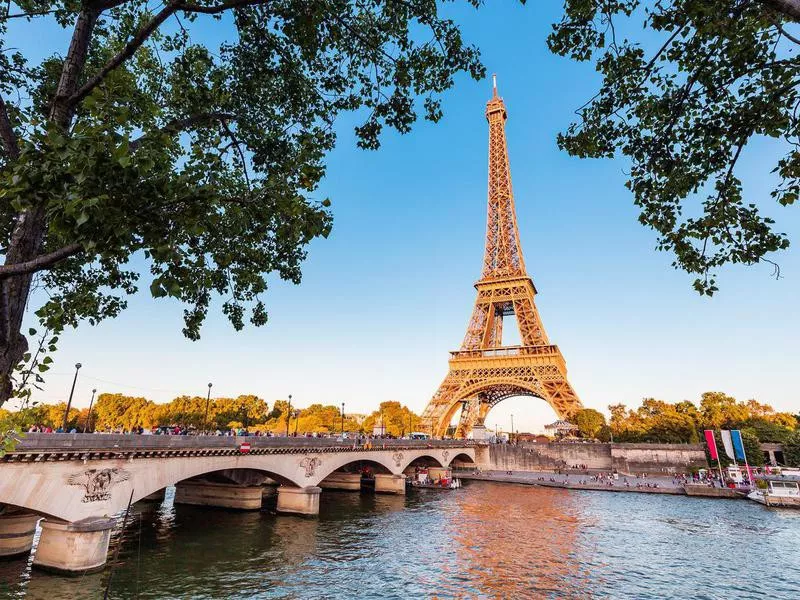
(89, 416)
(69, 402)
(288, 415)
(205, 416)
(342, 420)
(512, 428)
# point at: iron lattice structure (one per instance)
(484, 372)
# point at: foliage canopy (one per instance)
(683, 108)
(141, 138)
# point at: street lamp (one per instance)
(205, 417)
(69, 402)
(342, 420)
(512, 427)
(89, 416)
(288, 415)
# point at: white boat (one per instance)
(779, 492)
(434, 478)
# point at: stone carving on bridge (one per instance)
(310, 464)
(97, 483)
(398, 458)
(445, 454)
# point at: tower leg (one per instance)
(442, 406)
(562, 397)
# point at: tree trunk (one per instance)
(26, 242)
(29, 231)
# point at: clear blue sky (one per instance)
(387, 296)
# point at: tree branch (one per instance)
(219, 8)
(178, 125)
(786, 34)
(788, 8)
(61, 111)
(129, 50)
(39, 263)
(8, 136)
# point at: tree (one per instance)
(118, 411)
(752, 448)
(718, 410)
(398, 420)
(589, 422)
(719, 73)
(791, 450)
(766, 431)
(139, 138)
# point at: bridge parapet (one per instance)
(101, 441)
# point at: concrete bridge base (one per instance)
(221, 495)
(74, 548)
(390, 484)
(16, 533)
(299, 501)
(342, 481)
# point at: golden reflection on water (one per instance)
(519, 542)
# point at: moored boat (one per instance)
(779, 492)
(434, 478)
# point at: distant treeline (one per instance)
(684, 422)
(117, 412)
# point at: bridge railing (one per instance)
(38, 442)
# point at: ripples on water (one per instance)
(487, 540)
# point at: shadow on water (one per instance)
(486, 540)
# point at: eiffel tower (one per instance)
(484, 371)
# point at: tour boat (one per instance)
(779, 492)
(434, 478)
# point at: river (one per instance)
(485, 540)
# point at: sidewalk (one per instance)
(580, 482)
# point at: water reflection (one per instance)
(513, 543)
(486, 540)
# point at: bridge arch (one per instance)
(462, 457)
(424, 460)
(335, 462)
(151, 481)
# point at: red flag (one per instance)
(712, 444)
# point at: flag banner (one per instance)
(727, 443)
(712, 444)
(738, 444)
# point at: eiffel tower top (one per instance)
(503, 255)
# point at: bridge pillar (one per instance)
(300, 501)
(16, 533)
(390, 484)
(342, 481)
(221, 495)
(72, 548)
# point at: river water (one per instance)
(486, 540)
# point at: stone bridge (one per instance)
(78, 482)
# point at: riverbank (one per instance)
(650, 485)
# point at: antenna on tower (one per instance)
(494, 85)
